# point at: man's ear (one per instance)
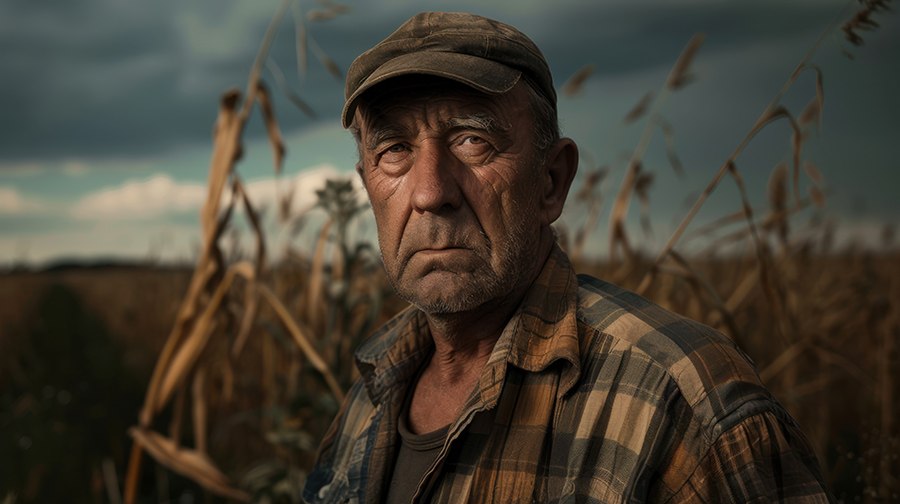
(360, 172)
(558, 173)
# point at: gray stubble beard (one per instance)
(492, 285)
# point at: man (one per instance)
(510, 379)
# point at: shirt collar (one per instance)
(543, 330)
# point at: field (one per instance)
(215, 381)
(79, 346)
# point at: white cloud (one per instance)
(13, 203)
(131, 220)
(140, 200)
(162, 195)
(122, 240)
(303, 186)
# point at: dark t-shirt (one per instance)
(416, 455)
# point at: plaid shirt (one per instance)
(592, 394)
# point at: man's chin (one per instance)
(443, 306)
(442, 293)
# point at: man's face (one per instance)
(454, 183)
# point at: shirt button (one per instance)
(569, 488)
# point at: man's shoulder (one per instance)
(712, 374)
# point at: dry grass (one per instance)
(793, 319)
(262, 353)
(837, 373)
(209, 307)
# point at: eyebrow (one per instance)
(483, 122)
(380, 132)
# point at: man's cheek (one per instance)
(383, 190)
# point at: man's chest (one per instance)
(531, 446)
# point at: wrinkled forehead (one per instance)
(404, 95)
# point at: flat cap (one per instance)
(487, 55)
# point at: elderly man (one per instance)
(510, 379)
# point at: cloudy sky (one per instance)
(106, 108)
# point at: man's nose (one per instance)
(434, 184)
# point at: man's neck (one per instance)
(462, 344)
(450, 376)
(464, 341)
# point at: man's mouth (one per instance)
(438, 250)
(441, 248)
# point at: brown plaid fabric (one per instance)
(592, 394)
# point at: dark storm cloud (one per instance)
(628, 37)
(102, 78)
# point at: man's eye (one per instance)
(394, 151)
(472, 149)
(394, 155)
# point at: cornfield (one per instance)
(260, 353)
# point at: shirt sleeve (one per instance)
(760, 459)
(328, 481)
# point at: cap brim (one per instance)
(484, 75)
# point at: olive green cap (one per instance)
(487, 55)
